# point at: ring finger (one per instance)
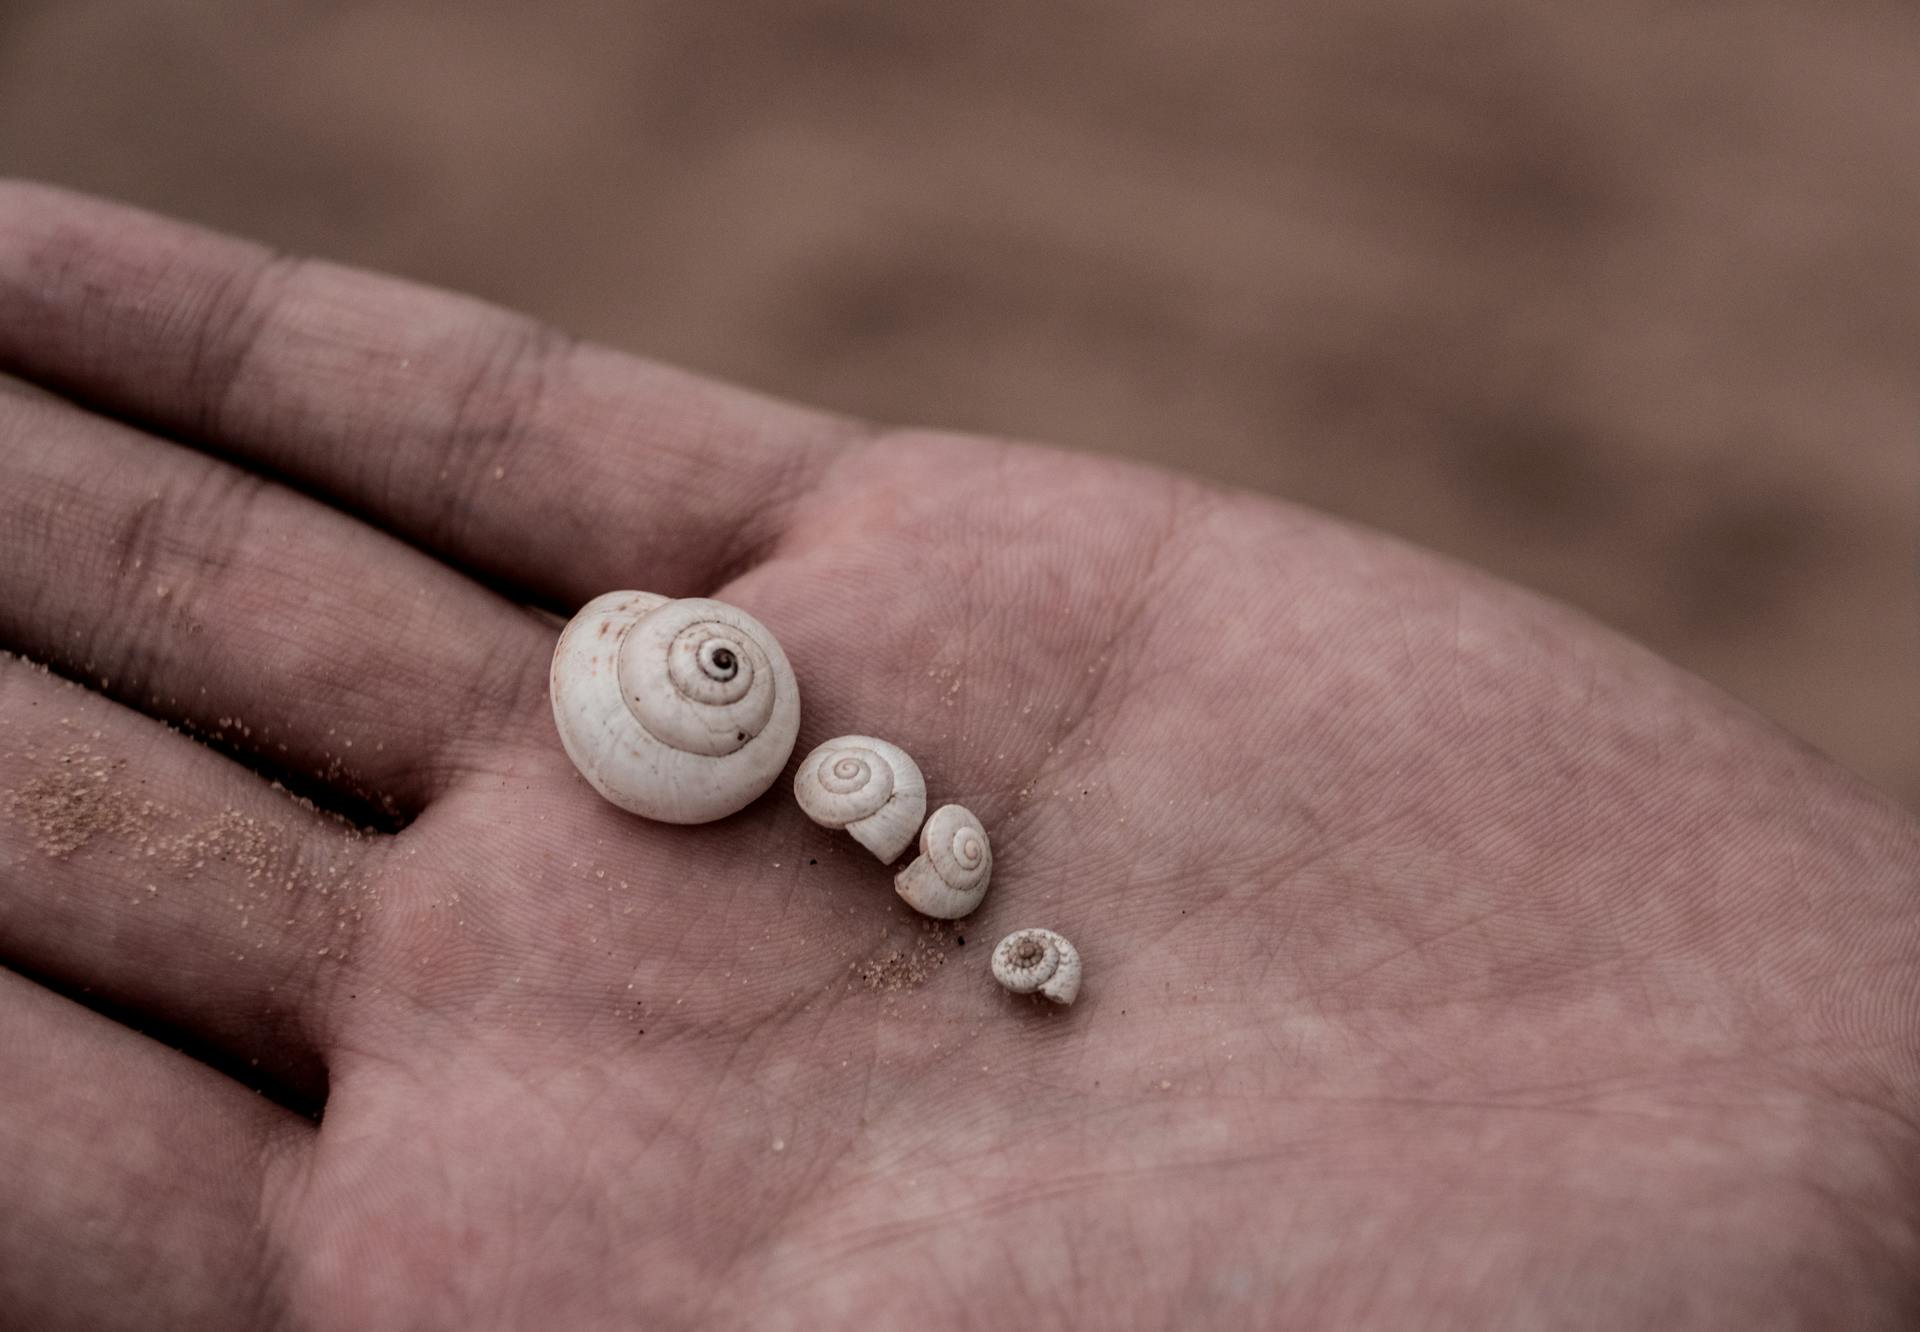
(166, 883)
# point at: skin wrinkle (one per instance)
(964, 608)
(823, 1148)
(298, 860)
(223, 341)
(274, 1157)
(221, 508)
(807, 469)
(1155, 574)
(766, 1217)
(134, 537)
(1375, 890)
(259, 311)
(75, 1121)
(507, 693)
(357, 965)
(1233, 1165)
(1048, 1188)
(218, 508)
(804, 460)
(65, 260)
(1253, 881)
(295, 1087)
(1650, 1007)
(1320, 993)
(496, 411)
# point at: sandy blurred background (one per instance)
(1620, 300)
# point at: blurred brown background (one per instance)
(1620, 300)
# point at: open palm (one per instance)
(1449, 961)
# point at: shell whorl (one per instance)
(1038, 960)
(871, 788)
(682, 711)
(697, 677)
(949, 877)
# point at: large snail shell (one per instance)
(871, 788)
(949, 877)
(682, 711)
(1029, 960)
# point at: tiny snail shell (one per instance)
(1029, 960)
(871, 788)
(681, 711)
(949, 876)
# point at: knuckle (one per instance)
(497, 410)
(237, 310)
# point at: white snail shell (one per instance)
(682, 711)
(1029, 960)
(869, 787)
(949, 876)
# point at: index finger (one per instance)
(537, 462)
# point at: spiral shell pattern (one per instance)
(871, 788)
(695, 674)
(1038, 960)
(682, 711)
(949, 877)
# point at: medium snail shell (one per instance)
(871, 788)
(949, 876)
(1029, 960)
(682, 711)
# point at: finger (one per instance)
(190, 590)
(134, 1177)
(21, 388)
(537, 462)
(173, 886)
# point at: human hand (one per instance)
(1449, 960)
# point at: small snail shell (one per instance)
(949, 876)
(682, 711)
(1029, 960)
(871, 788)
